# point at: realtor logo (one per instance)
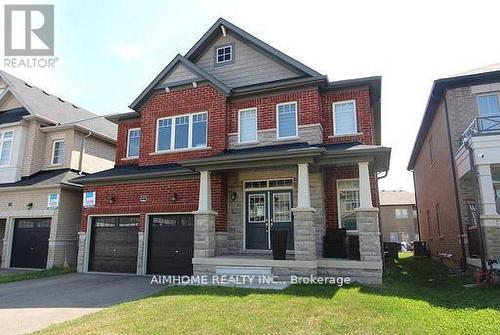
(29, 30)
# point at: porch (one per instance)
(299, 191)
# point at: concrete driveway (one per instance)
(31, 305)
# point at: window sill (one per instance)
(246, 143)
(345, 135)
(129, 158)
(283, 139)
(166, 152)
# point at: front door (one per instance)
(267, 210)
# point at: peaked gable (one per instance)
(179, 74)
(249, 66)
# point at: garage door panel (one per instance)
(114, 244)
(30, 243)
(170, 247)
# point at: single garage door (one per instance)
(114, 244)
(30, 244)
(170, 244)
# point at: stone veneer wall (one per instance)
(235, 222)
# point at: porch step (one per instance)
(243, 270)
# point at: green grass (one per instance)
(55, 271)
(418, 297)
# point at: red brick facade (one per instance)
(124, 198)
(314, 107)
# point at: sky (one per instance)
(109, 51)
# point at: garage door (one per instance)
(114, 244)
(30, 245)
(170, 244)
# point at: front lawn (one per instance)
(417, 297)
(55, 271)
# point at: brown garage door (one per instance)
(114, 244)
(30, 245)
(170, 244)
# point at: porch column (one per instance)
(204, 220)
(365, 194)
(488, 203)
(367, 219)
(303, 214)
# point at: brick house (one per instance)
(230, 141)
(44, 143)
(456, 167)
(398, 216)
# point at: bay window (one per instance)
(182, 132)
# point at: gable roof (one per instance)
(488, 74)
(191, 66)
(40, 103)
(214, 31)
(396, 197)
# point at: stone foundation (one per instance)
(80, 263)
(492, 242)
(221, 247)
(304, 234)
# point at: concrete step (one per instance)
(243, 270)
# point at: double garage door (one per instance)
(170, 244)
(30, 243)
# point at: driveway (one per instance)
(31, 305)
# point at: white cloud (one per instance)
(128, 51)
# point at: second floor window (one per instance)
(488, 105)
(6, 147)
(247, 125)
(401, 213)
(133, 142)
(58, 152)
(344, 118)
(286, 119)
(182, 132)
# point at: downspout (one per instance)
(476, 203)
(416, 205)
(379, 224)
(455, 185)
(82, 152)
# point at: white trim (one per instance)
(256, 125)
(339, 219)
(355, 118)
(296, 121)
(2, 141)
(53, 151)
(172, 134)
(230, 53)
(128, 143)
(88, 237)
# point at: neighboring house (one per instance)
(228, 142)
(45, 142)
(461, 125)
(398, 216)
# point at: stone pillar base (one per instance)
(304, 234)
(80, 262)
(491, 241)
(141, 267)
(369, 234)
(204, 234)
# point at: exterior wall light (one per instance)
(233, 196)
(174, 197)
(29, 206)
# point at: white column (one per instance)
(365, 194)
(488, 203)
(304, 194)
(205, 199)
